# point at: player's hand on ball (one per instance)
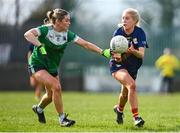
(131, 49)
(106, 53)
(42, 50)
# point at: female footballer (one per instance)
(50, 42)
(124, 67)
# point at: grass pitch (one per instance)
(93, 112)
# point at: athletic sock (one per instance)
(61, 117)
(120, 108)
(39, 109)
(135, 112)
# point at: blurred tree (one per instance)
(68, 5)
(167, 21)
(17, 9)
(168, 12)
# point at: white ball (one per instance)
(119, 44)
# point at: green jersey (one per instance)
(55, 44)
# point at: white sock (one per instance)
(61, 117)
(39, 109)
(119, 110)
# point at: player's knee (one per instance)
(132, 86)
(39, 85)
(56, 87)
(33, 83)
(49, 95)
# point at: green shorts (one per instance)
(32, 69)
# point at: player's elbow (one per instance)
(26, 34)
(140, 55)
(30, 33)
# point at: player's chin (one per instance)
(117, 59)
(66, 28)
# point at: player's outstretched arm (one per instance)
(92, 47)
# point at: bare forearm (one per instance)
(89, 46)
(138, 53)
(92, 47)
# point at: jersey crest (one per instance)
(57, 38)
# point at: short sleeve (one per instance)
(72, 37)
(42, 30)
(142, 39)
